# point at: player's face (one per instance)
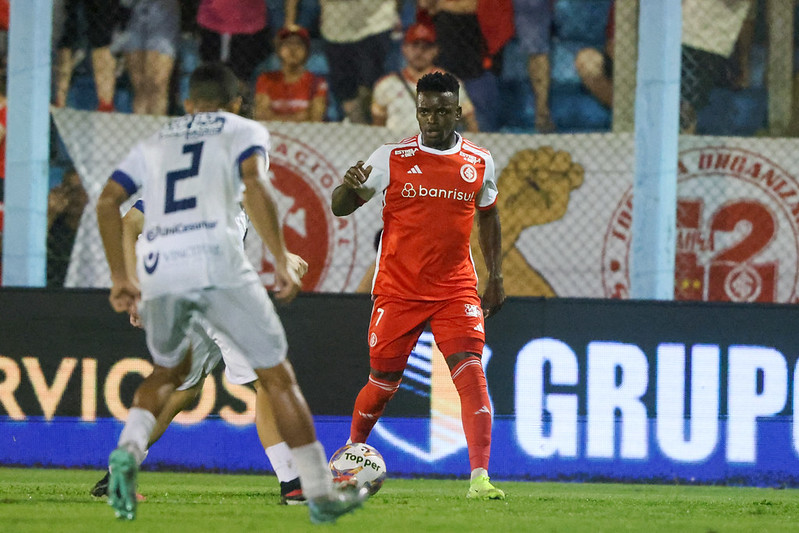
(437, 113)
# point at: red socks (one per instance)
(369, 405)
(470, 381)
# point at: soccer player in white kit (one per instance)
(193, 174)
(207, 351)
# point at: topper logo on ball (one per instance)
(303, 182)
(737, 230)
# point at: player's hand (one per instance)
(135, 319)
(493, 297)
(124, 295)
(356, 175)
(288, 276)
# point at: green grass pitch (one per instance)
(43, 500)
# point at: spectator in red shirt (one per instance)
(292, 93)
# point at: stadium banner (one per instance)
(582, 389)
(565, 203)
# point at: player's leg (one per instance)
(166, 321)
(459, 326)
(245, 319)
(178, 401)
(278, 452)
(295, 423)
(123, 463)
(238, 372)
(205, 356)
(394, 328)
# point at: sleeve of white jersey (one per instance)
(131, 171)
(378, 177)
(250, 138)
(488, 194)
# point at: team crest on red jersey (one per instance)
(469, 173)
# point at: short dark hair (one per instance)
(438, 82)
(213, 82)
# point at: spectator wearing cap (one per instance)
(356, 39)
(394, 95)
(292, 93)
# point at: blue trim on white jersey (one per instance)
(249, 152)
(139, 205)
(126, 181)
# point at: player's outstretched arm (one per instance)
(345, 196)
(132, 226)
(123, 292)
(261, 208)
(491, 246)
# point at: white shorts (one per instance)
(205, 355)
(207, 351)
(242, 321)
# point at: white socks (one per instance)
(136, 433)
(315, 476)
(477, 472)
(282, 461)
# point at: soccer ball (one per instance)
(360, 464)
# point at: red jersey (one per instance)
(429, 200)
(289, 98)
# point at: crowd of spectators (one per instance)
(322, 60)
(359, 61)
(137, 45)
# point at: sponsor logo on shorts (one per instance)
(372, 340)
(473, 310)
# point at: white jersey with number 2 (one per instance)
(190, 181)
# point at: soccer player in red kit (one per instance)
(431, 185)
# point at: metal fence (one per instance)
(548, 88)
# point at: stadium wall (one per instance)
(582, 390)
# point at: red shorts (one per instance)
(396, 324)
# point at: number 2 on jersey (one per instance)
(172, 204)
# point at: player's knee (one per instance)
(175, 376)
(387, 376)
(457, 358)
(588, 63)
(278, 377)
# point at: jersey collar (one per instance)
(454, 150)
